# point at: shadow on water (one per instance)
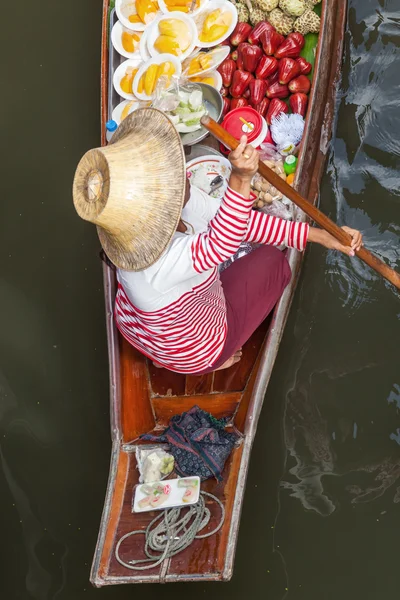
(321, 513)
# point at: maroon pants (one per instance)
(252, 286)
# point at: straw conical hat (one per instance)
(133, 189)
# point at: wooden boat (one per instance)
(144, 398)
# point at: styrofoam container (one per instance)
(136, 63)
(165, 9)
(215, 75)
(116, 40)
(160, 58)
(154, 33)
(172, 494)
(211, 6)
(124, 9)
(130, 105)
(217, 55)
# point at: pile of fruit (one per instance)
(265, 70)
(285, 15)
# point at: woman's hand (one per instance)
(326, 239)
(244, 160)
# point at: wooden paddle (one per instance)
(312, 211)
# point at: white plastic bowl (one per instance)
(154, 33)
(215, 75)
(119, 74)
(124, 9)
(143, 49)
(211, 6)
(217, 55)
(166, 10)
(157, 60)
(132, 105)
(116, 40)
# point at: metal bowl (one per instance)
(214, 104)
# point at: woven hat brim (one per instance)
(167, 198)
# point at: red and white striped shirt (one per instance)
(174, 312)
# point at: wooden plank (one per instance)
(136, 413)
(207, 556)
(219, 405)
(235, 378)
(199, 384)
(166, 383)
(132, 547)
(118, 495)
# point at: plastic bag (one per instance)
(153, 463)
(183, 103)
(270, 153)
(276, 208)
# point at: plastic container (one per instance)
(116, 40)
(154, 32)
(245, 121)
(224, 5)
(290, 164)
(160, 58)
(169, 493)
(111, 128)
(124, 9)
(119, 73)
(166, 10)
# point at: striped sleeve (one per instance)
(272, 231)
(226, 231)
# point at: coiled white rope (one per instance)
(172, 533)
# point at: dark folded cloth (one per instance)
(198, 442)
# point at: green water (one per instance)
(322, 509)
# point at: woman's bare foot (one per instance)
(231, 361)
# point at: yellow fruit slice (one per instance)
(127, 80)
(146, 9)
(141, 84)
(135, 19)
(150, 79)
(173, 27)
(214, 33)
(130, 41)
(167, 44)
(205, 61)
(166, 68)
(210, 20)
(126, 110)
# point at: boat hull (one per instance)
(144, 398)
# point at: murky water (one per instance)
(322, 509)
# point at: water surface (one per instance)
(322, 509)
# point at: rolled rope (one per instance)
(164, 533)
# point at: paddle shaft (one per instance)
(312, 211)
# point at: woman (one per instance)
(184, 314)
